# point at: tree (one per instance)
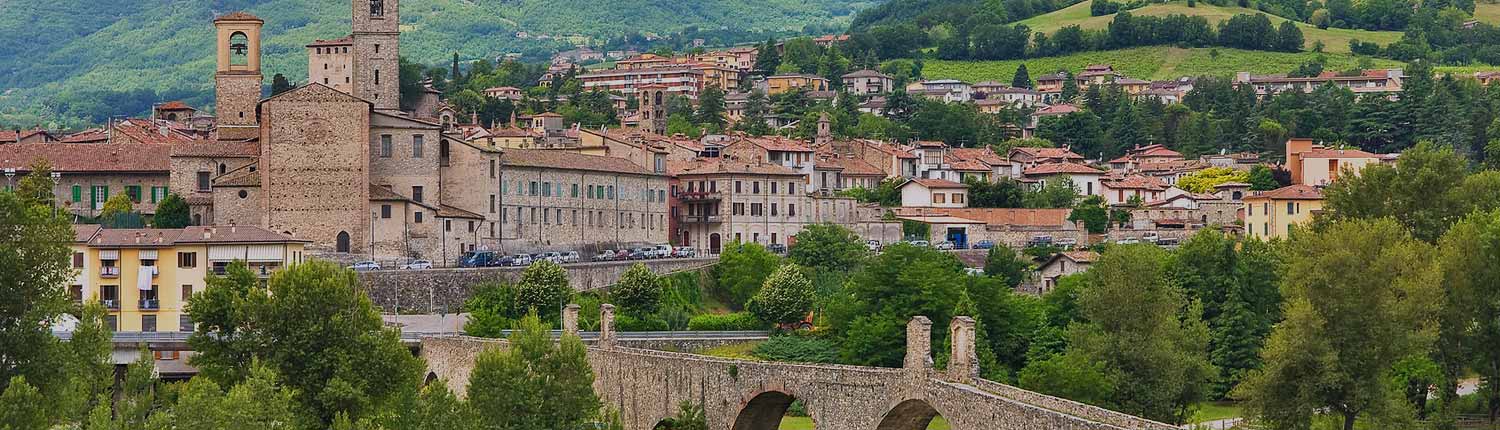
(742, 268)
(543, 288)
(86, 363)
(1092, 211)
(1421, 191)
(351, 364)
(172, 212)
(1141, 327)
(535, 383)
(1235, 282)
(711, 108)
(1002, 261)
(786, 297)
(1005, 193)
(768, 58)
(279, 84)
(261, 402)
(638, 293)
(1204, 181)
(1054, 194)
(1467, 254)
(1070, 87)
(22, 406)
(754, 120)
(1360, 297)
(902, 282)
(36, 188)
(34, 265)
(1021, 79)
(828, 246)
(1288, 37)
(117, 205)
(1262, 179)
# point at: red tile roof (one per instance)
(1061, 168)
(216, 149)
(1294, 192)
(997, 216)
(1336, 153)
(982, 155)
(93, 135)
(342, 41)
(174, 105)
(719, 166)
(1057, 109)
(548, 159)
(83, 157)
(779, 144)
(1135, 182)
(1058, 153)
(237, 16)
(935, 183)
(153, 132)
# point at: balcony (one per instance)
(109, 272)
(110, 304)
(700, 196)
(149, 304)
(700, 219)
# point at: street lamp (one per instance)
(56, 182)
(10, 173)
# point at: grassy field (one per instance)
(805, 423)
(1154, 62)
(740, 351)
(1487, 12)
(1334, 40)
(1211, 411)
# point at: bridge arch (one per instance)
(909, 414)
(765, 410)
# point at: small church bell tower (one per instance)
(237, 78)
(377, 69)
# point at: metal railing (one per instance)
(109, 272)
(149, 304)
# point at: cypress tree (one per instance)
(1022, 79)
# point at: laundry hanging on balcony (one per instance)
(143, 277)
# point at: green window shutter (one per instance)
(93, 196)
(77, 193)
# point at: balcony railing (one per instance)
(109, 272)
(700, 219)
(700, 196)
(110, 304)
(150, 304)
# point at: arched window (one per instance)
(342, 243)
(222, 168)
(377, 7)
(239, 49)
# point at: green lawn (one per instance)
(1211, 411)
(1487, 12)
(739, 351)
(805, 423)
(1152, 62)
(1334, 40)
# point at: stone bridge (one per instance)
(646, 386)
(445, 290)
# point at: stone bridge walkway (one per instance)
(646, 386)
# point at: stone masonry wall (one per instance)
(445, 290)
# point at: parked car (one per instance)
(1167, 241)
(984, 244)
(1128, 241)
(1067, 242)
(776, 248)
(417, 265)
(555, 257)
(872, 245)
(364, 266)
(623, 254)
(1039, 240)
(477, 259)
(502, 261)
(605, 255)
(663, 251)
(521, 260)
(685, 252)
(570, 257)
(973, 271)
(642, 253)
(944, 246)
(920, 243)
(1150, 237)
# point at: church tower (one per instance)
(377, 69)
(237, 79)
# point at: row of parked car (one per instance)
(647, 253)
(493, 259)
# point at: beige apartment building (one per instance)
(725, 201)
(556, 200)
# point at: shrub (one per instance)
(492, 309)
(625, 322)
(786, 297)
(798, 349)
(544, 287)
(638, 292)
(727, 322)
(742, 269)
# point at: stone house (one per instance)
(1085, 179)
(1060, 265)
(722, 201)
(556, 200)
(88, 174)
(934, 193)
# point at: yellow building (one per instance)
(782, 83)
(145, 276)
(1275, 213)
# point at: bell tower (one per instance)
(237, 78)
(377, 38)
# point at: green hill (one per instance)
(1152, 63)
(1334, 40)
(54, 49)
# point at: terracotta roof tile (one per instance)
(1061, 168)
(1135, 182)
(245, 176)
(213, 148)
(237, 16)
(570, 161)
(1293, 192)
(720, 166)
(935, 183)
(1058, 153)
(233, 234)
(84, 232)
(446, 211)
(1336, 153)
(84, 157)
(999, 216)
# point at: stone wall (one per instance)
(445, 290)
(314, 165)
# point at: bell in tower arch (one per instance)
(377, 7)
(239, 49)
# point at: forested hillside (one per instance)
(77, 55)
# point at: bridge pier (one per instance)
(918, 346)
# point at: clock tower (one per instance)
(237, 78)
